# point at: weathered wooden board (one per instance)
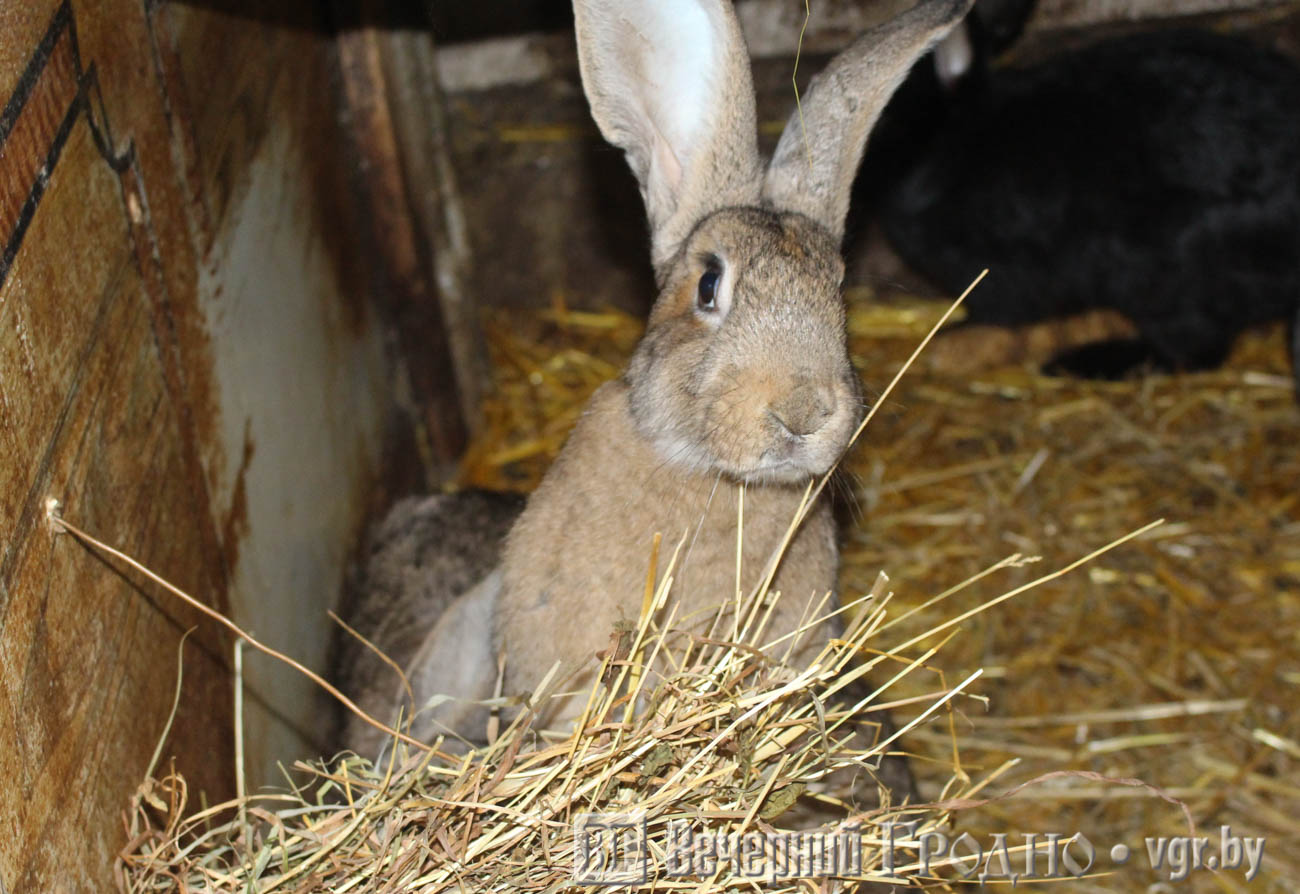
(86, 414)
(193, 361)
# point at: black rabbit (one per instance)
(1157, 175)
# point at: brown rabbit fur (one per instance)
(664, 449)
(742, 380)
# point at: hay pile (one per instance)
(729, 742)
(1175, 660)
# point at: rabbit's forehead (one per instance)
(765, 243)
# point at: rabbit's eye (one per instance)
(708, 290)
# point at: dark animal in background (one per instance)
(1157, 175)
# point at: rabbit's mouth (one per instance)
(793, 463)
(787, 458)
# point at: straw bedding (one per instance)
(1172, 659)
(1175, 659)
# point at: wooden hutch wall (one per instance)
(207, 289)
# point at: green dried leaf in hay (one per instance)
(660, 756)
(781, 800)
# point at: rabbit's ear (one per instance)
(814, 164)
(669, 83)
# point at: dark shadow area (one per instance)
(451, 22)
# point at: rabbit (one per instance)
(1155, 175)
(423, 554)
(741, 381)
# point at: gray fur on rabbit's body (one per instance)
(421, 557)
(743, 376)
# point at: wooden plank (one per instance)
(87, 418)
(405, 276)
(33, 128)
(433, 194)
(21, 25)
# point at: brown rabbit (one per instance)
(742, 379)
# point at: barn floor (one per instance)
(1174, 659)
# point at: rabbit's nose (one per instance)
(804, 411)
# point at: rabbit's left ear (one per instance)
(814, 164)
(669, 84)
